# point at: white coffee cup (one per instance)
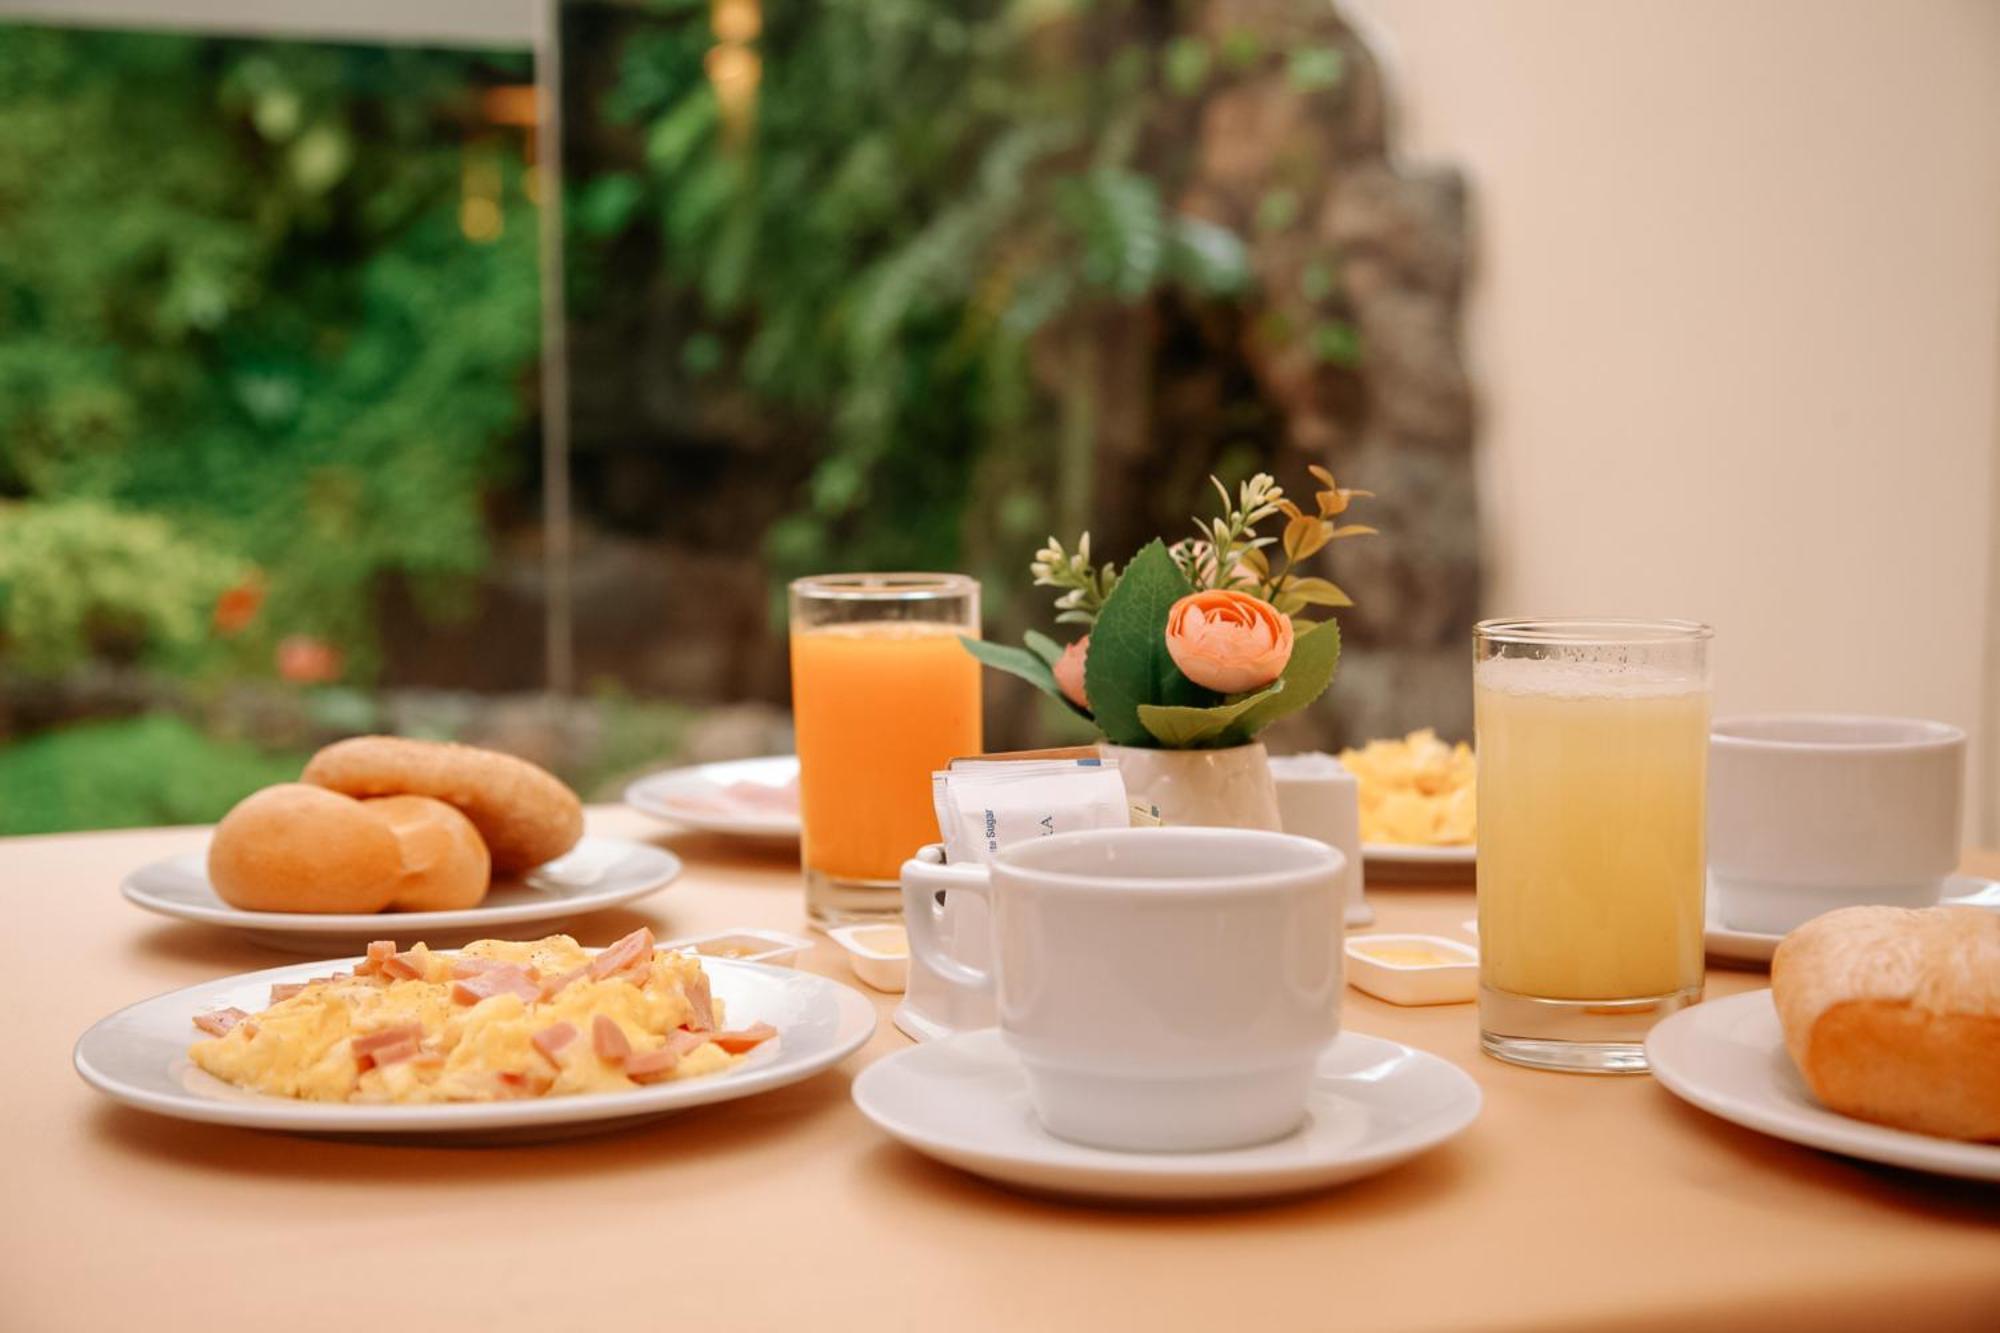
(1167, 990)
(1810, 812)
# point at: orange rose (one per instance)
(305, 660)
(1228, 641)
(1069, 673)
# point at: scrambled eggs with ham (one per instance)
(494, 1020)
(1417, 791)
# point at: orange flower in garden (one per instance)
(305, 660)
(238, 606)
(1069, 673)
(1228, 641)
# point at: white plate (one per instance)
(1728, 1057)
(700, 798)
(138, 1056)
(964, 1100)
(1397, 862)
(595, 874)
(1750, 946)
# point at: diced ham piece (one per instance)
(613, 959)
(370, 1042)
(552, 1039)
(521, 1083)
(285, 990)
(504, 980)
(463, 966)
(394, 1053)
(555, 985)
(738, 1042)
(379, 952)
(403, 967)
(220, 1021)
(609, 1040)
(651, 1066)
(385, 1046)
(701, 1002)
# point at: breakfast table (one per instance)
(1572, 1202)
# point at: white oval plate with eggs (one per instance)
(595, 874)
(1728, 1057)
(743, 798)
(1414, 863)
(138, 1056)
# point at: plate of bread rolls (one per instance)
(450, 840)
(1879, 1039)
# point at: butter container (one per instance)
(879, 954)
(1413, 969)
(772, 947)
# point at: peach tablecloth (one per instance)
(1573, 1203)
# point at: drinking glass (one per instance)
(883, 694)
(1593, 764)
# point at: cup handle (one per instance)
(924, 886)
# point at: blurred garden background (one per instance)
(856, 284)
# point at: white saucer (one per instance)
(702, 798)
(138, 1056)
(1750, 946)
(1391, 862)
(1728, 1057)
(964, 1100)
(595, 874)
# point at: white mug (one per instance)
(1808, 812)
(1167, 990)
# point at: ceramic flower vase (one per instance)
(1229, 788)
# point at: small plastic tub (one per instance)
(1413, 969)
(879, 954)
(773, 947)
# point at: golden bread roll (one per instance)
(294, 848)
(1893, 1015)
(445, 864)
(525, 813)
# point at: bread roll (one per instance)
(294, 848)
(445, 865)
(524, 813)
(298, 848)
(1893, 1015)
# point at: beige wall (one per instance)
(1736, 326)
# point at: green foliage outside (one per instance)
(80, 578)
(235, 294)
(129, 772)
(928, 194)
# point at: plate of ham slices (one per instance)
(139, 1056)
(756, 799)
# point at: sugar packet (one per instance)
(986, 804)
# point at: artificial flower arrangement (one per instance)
(1200, 645)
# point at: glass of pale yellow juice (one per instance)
(883, 695)
(1593, 765)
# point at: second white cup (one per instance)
(1810, 812)
(1167, 990)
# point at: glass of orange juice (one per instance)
(1593, 767)
(883, 695)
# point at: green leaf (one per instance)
(1128, 664)
(1042, 646)
(1020, 662)
(1186, 65)
(1319, 592)
(1315, 654)
(1183, 728)
(1312, 69)
(1337, 344)
(1211, 260)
